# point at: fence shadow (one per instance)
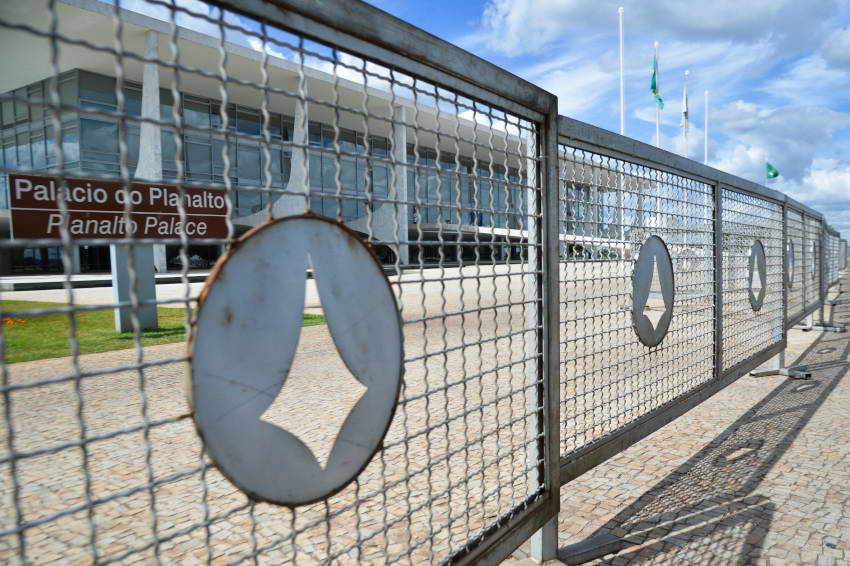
(705, 510)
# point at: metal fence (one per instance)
(563, 291)
(425, 157)
(746, 266)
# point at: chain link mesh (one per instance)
(831, 253)
(796, 270)
(812, 261)
(747, 331)
(99, 457)
(608, 208)
(100, 461)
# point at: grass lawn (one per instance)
(46, 336)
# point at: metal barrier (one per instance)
(745, 264)
(831, 252)
(562, 291)
(813, 262)
(436, 158)
(795, 269)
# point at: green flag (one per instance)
(653, 85)
(771, 172)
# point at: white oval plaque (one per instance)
(246, 334)
(653, 268)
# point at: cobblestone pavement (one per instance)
(758, 474)
(139, 489)
(110, 465)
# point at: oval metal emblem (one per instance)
(814, 252)
(789, 262)
(247, 330)
(757, 275)
(652, 292)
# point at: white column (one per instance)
(398, 191)
(149, 168)
(289, 205)
(75, 259)
(383, 225)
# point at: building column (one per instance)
(385, 215)
(75, 259)
(149, 168)
(293, 204)
(398, 189)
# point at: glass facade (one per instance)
(441, 189)
(485, 194)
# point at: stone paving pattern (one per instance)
(455, 457)
(758, 474)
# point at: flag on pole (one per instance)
(653, 85)
(770, 171)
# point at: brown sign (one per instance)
(96, 209)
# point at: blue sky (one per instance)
(777, 71)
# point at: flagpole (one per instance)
(620, 183)
(685, 113)
(765, 170)
(705, 158)
(622, 79)
(657, 109)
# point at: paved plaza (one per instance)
(758, 474)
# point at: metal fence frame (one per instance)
(362, 30)
(584, 136)
(368, 32)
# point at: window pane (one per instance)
(97, 91)
(99, 136)
(39, 154)
(24, 159)
(34, 92)
(196, 114)
(132, 100)
(248, 164)
(248, 122)
(198, 161)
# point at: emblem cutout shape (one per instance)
(789, 262)
(814, 251)
(757, 275)
(653, 264)
(247, 330)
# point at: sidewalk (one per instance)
(758, 474)
(83, 280)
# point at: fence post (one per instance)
(544, 542)
(718, 279)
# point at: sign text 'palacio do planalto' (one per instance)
(96, 209)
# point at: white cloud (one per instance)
(826, 188)
(791, 136)
(828, 180)
(579, 88)
(515, 27)
(743, 161)
(257, 45)
(810, 81)
(836, 48)
(183, 19)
